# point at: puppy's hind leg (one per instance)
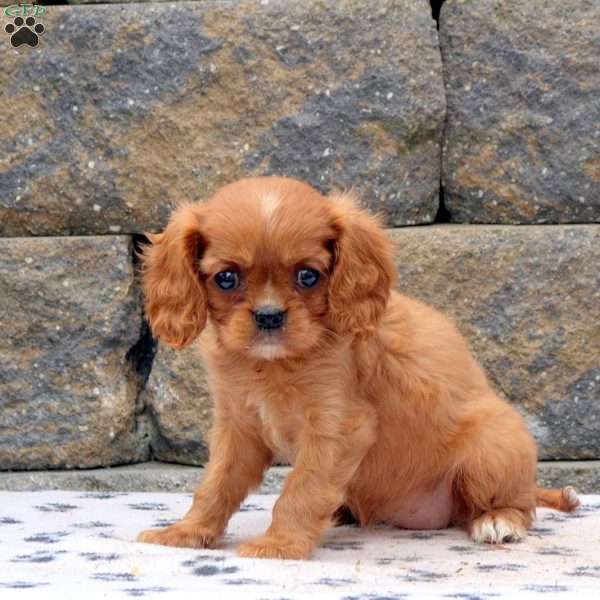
(495, 483)
(500, 526)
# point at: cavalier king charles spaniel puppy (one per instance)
(313, 358)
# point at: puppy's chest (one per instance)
(280, 422)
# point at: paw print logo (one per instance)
(24, 31)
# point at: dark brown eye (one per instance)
(227, 280)
(307, 278)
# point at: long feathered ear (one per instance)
(363, 270)
(175, 297)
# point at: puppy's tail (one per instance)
(565, 499)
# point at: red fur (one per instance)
(374, 397)
(175, 298)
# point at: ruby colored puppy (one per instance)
(312, 358)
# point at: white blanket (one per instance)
(81, 545)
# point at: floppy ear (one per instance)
(175, 297)
(363, 270)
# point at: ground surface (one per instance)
(163, 477)
(58, 544)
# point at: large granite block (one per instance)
(123, 110)
(177, 398)
(68, 315)
(522, 140)
(528, 300)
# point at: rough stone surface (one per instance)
(143, 477)
(528, 299)
(131, 108)
(116, 1)
(68, 315)
(584, 476)
(177, 396)
(161, 477)
(523, 128)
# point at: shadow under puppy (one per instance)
(312, 358)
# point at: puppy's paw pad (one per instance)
(179, 536)
(272, 547)
(496, 529)
(571, 500)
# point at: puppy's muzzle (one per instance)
(268, 318)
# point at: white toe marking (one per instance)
(571, 496)
(495, 530)
(487, 531)
(508, 531)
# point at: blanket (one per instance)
(81, 545)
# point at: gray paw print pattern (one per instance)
(73, 544)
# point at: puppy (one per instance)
(312, 358)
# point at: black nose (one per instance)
(269, 317)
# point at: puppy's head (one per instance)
(278, 269)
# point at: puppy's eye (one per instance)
(307, 278)
(227, 280)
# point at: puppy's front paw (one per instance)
(268, 546)
(181, 535)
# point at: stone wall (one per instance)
(482, 126)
